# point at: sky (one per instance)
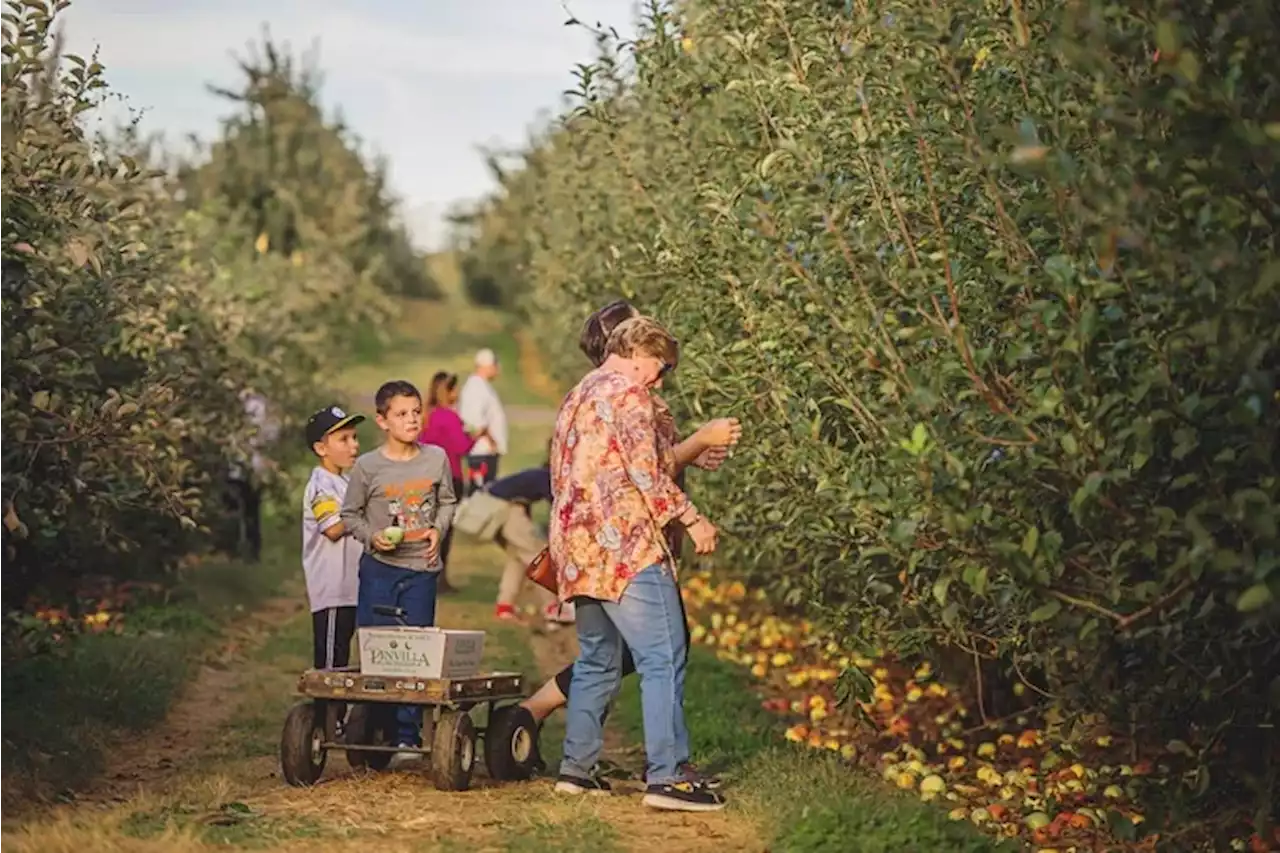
(424, 83)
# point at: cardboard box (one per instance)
(420, 652)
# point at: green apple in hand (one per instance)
(394, 535)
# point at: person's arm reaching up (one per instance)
(716, 434)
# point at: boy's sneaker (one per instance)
(505, 612)
(567, 784)
(400, 759)
(683, 797)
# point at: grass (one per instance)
(804, 803)
(62, 710)
(580, 832)
(233, 824)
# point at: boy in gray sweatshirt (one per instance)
(399, 504)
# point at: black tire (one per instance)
(453, 752)
(511, 744)
(372, 725)
(301, 758)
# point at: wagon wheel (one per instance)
(369, 725)
(511, 744)
(301, 754)
(453, 751)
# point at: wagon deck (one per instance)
(350, 685)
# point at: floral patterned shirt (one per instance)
(613, 491)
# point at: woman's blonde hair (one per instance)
(643, 336)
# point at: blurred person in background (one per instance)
(248, 472)
(485, 418)
(523, 541)
(443, 427)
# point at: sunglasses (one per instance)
(666, 366)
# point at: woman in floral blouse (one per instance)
(613, 496)
(706, 448)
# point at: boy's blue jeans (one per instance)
(650, 620)
(416, 593)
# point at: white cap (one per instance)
(486, 358)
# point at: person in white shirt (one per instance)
(483, 415)
(330, 555)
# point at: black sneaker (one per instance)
(691, 773)
(683, 797)
(579, 785)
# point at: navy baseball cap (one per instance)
(327, 420)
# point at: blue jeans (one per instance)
(416, 593)
(650, 621)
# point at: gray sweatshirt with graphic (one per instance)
(416, 494)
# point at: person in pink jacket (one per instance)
(442, 426)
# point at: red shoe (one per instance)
(505, 612)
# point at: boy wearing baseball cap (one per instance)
(330, 555)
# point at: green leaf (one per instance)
(1068, 442)
(940, 587)
(1030, 540)
(1254, 598)
(976, 578)
(1167, 36)
(770, 160)
(1046, 611)
(1121, 826)
(919, 437)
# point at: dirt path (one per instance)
(150, 761)
(208, 777)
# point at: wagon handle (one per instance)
(391, 611)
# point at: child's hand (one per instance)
(433, 544)
(382, 543)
